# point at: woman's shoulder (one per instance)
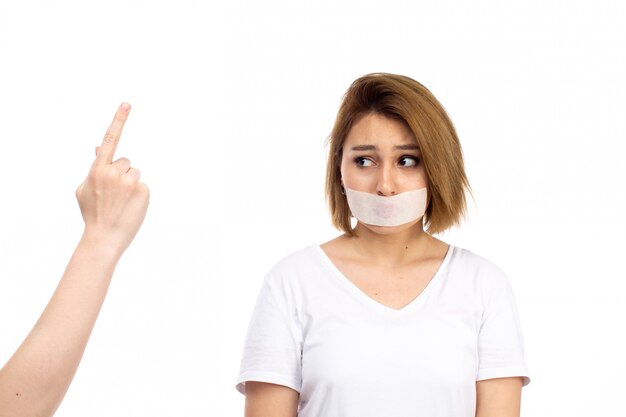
(483, 274)
(468, 261)
(298, 273)
(297, 261)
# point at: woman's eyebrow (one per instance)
(364, 148)
(407, 147)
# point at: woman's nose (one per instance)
(386, 183)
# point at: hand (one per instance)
(112, 200)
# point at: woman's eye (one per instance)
(408, 161)
(363, 162)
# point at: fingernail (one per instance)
(125, 107)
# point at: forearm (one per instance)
(36, 378)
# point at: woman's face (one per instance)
(381, 156)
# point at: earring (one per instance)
(343, 190)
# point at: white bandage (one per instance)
(387, 211)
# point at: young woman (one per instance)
(113, 203)
(387, 320)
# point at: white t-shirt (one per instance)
(347, 355)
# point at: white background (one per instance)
(232, 104)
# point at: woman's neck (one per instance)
(394, 249)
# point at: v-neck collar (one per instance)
(352, 287)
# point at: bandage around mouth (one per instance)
(387, 211)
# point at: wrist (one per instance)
(106, 247)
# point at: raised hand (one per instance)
(113, 203)
(112, 200)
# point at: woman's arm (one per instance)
(499, 397)
(263, 399)
(113, 204)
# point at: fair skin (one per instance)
(113, 204)
(392, 265)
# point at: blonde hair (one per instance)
(404, 99)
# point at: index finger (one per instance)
(112, 136)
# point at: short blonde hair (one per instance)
(404, 99)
